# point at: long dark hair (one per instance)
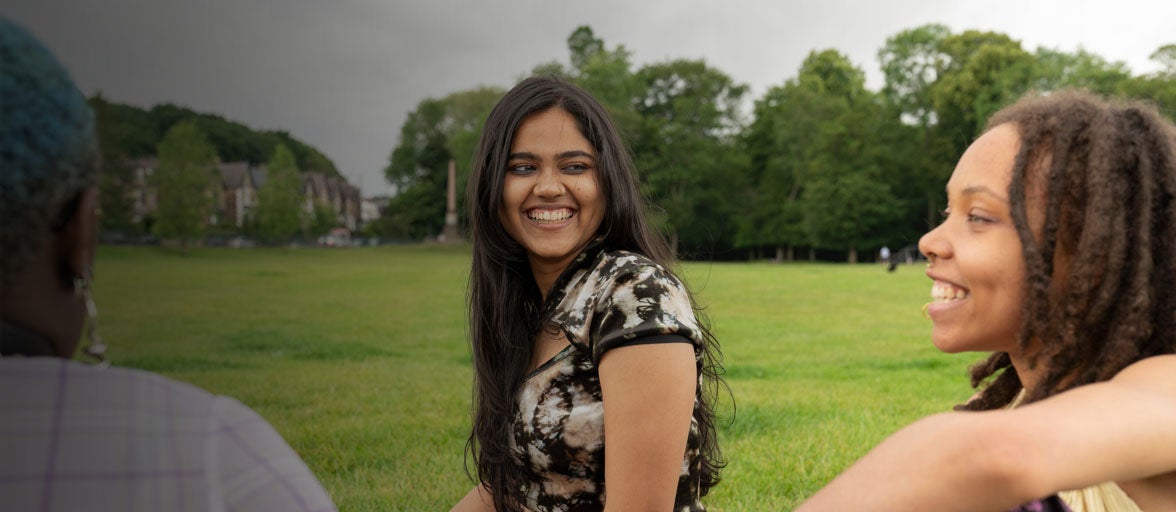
(505, 304)
(1101, 270)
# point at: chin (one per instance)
(949, 345)
(948, 348)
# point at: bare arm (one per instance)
(477, 500)
(1118, 430)
(648, 393)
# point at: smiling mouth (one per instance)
(944, 293)
(557, 215)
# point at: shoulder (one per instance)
(128, 389)
(618, 276)
(255, 465)
(1156, 374)
(631, 283)
(628, 269)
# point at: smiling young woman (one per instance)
(551, 200)
(578, 326)
(1058, 255)
(975, 254)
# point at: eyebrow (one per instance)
(981, 189)
(526, 155)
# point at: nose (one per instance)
(934, 245)
(548, 184)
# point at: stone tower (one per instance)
(451, 233)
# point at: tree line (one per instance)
(821, 164)
(188, 145)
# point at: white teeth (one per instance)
(550, 215)
(943, 292)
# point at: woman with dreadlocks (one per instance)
(1058, 255)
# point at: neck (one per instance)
(18, 341)
(546, 272)
(39, 301)
(1029, 377)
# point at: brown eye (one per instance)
(521, 169)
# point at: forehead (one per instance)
(553, 128)
(988, 162)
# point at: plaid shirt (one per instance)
(77, 437)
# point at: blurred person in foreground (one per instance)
(75, 436)
(1057, 254)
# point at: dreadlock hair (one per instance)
(1101, 266)
(505, 303)
(48, 152)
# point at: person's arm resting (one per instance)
(1119, 430)
(648, 392)
(477, 500)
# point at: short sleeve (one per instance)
(253, 468)
(642, 300)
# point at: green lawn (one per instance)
(359, 358)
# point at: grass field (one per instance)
(359, 358)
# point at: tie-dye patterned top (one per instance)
(603, 300)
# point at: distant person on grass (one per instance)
(88, 437)
(593, 373)
(1057, 254)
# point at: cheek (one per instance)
(1012, 294)
(513, 195)
(591, 192)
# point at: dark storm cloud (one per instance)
(342, 75)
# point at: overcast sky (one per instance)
(342, 74)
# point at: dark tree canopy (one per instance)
(126, 132)
(817, 162)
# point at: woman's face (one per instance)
(551, 199)
(976, 261)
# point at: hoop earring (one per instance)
(94, 347)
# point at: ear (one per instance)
(79, 236)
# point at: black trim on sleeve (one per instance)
(654, 339)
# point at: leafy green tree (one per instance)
(1056, 69)
(126, 132)
(787, 121)
(235, 142)
(848, 202)
(604, 73)
(1160, 87)
(1165, 56)
(842, 165)
(322, 219)
(418, 170)
(279, 209)
(686, 150)
(436, 132)
(115, 185)
(187, 166)
(583, 46)
(123, 133)
(817, 147)
(911, 62)
(982, 72)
